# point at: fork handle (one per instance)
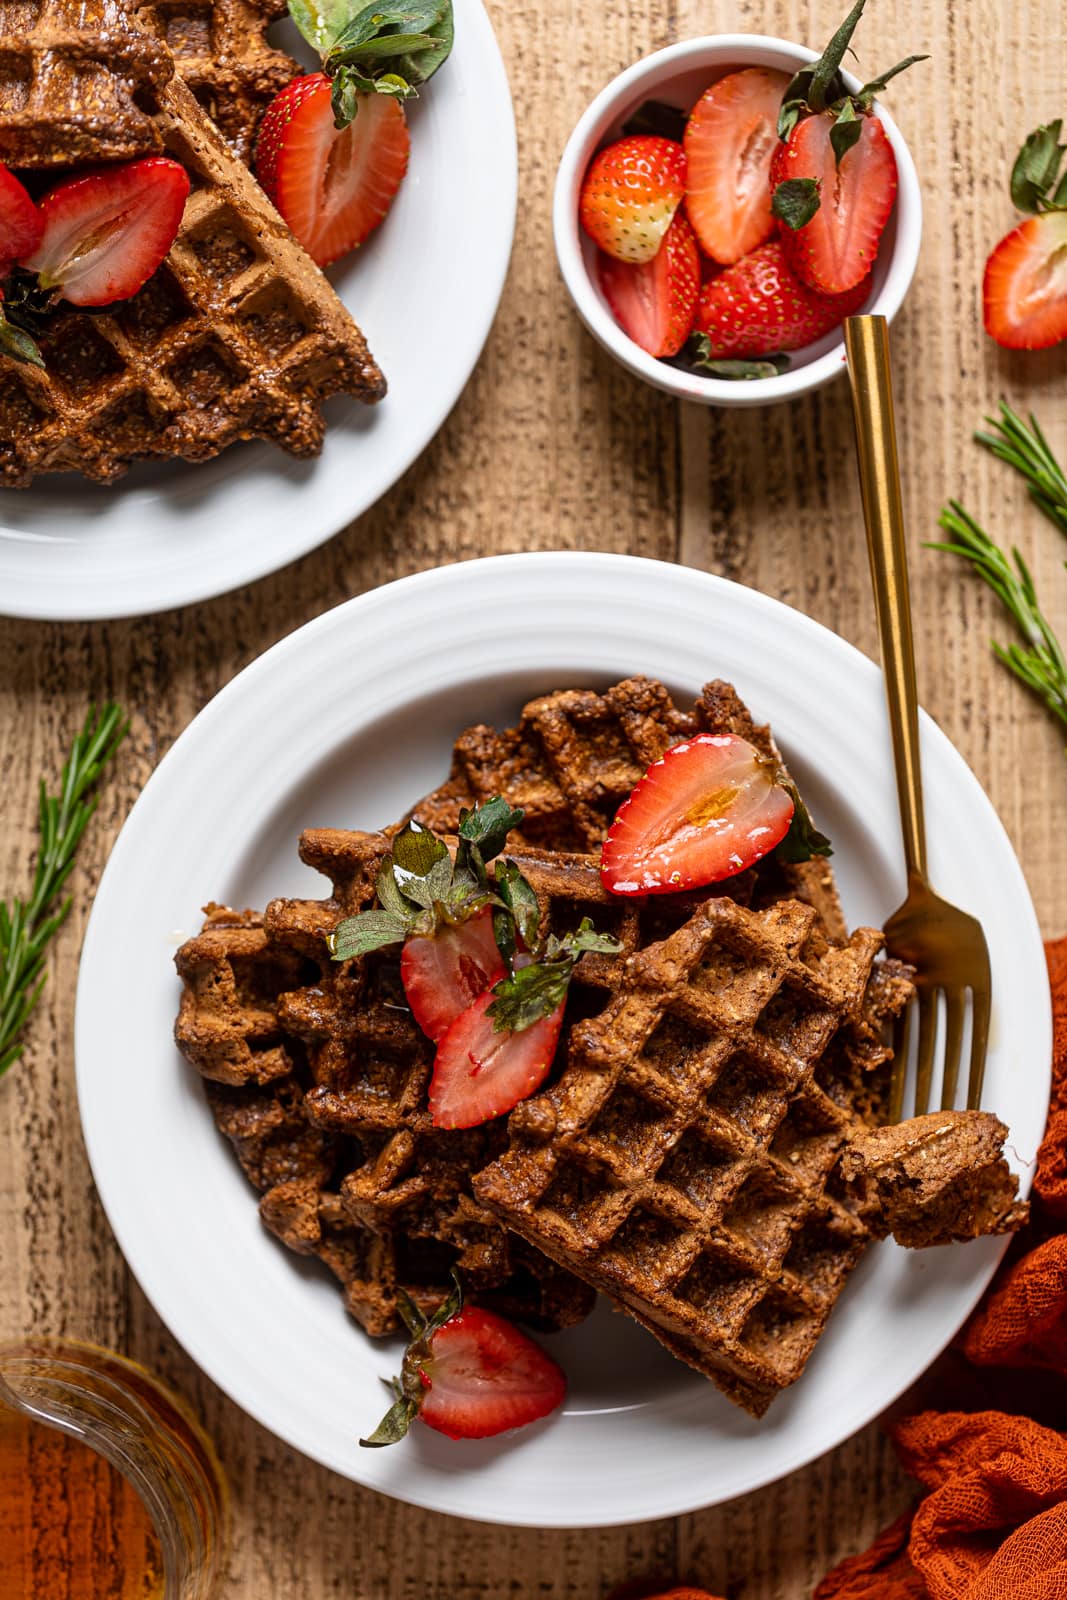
(867, 344)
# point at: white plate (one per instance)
(424, 289)
(346, 722)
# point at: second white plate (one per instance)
(345, 723)
(424, 289)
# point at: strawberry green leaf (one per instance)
(521, 907)
(18, 344)
(845, 132)
(525, 996)
(877, 85)
(394, 1425)
(803, 840)
(701, 359)
(416, 849)
(1036, 167)
(584, 938)
(489, 824)
(824, 73)
(796, 201)
(320, 21)
(370, 930)
(529, 993)
(450, 1307)
(346, 88)
(794, 104)
(406, 43)
(388, 891)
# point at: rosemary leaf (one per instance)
(1027, 450)
(1040, 662)
(27, 926)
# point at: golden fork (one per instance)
(946, 946)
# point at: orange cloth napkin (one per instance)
(993, 1523)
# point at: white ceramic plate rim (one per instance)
(641, 81)
(585, 617)
(171, 534)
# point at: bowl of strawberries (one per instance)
(724, 204)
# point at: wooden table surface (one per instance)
(553, 447)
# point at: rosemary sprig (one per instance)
(1028, 451)
(1040, 663)
(26, 926)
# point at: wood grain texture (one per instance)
(551, 446)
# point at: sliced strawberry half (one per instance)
(480, 1073)
(630, 195)
(483, 1377)
(106, 232)
(655, 303)
(1024, 291)
(21, 224)
(835, 250)
(708, 809)
(445, 973)
(730, 138)
(469, 1374)
(332, 185)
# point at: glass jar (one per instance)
(69, 1524)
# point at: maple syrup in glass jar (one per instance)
(109, 1489)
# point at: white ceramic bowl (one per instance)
(678, 76)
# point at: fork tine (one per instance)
(927, 1036)
(901, 1039)
(979, 1040)
(954, 1007)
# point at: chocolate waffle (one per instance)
(78, 83)
(384, 1206)
(237, 336)
(576, 754)
(681, 1162)
(220, 50)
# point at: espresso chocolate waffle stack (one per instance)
(681, 1162)
(221, 52)
(685, 1158)
(238, 335)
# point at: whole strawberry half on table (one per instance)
(1024, 290)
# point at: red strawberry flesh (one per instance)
(443, 974)
(729, 141)
(332, 186)
(655, 303)
(759, 306)
(483, 1377)
(836, 250)
(107, 231)
(708, 809)
(21, 224)
(479, 1073)
(630, 195)
(1024, 291)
